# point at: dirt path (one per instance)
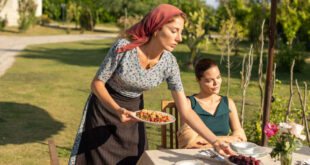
(11, 46)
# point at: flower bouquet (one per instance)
(288, 140)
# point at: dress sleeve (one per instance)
(174, 78)
(110, 62)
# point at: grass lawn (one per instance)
(43, 94)
(60, 30)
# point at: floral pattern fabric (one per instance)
(124, 73)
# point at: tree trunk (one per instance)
(260, 72)
(242, 72)
(228, 70)
(291, 92)
(190, 65)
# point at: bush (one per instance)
(3, 23)
(44, 20)
(26, 10)
(86, 20)
(131, 20)
(284, 58)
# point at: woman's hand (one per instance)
(222, 148)
(125, 116)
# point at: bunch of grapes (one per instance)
(244, 160)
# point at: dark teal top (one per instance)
(219, 123)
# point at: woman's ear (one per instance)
(197, 79)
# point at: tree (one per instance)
(291, 15)
(200, 19)
(195, 34)
(229, 35)
(74, 13)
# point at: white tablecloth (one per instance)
(171, 157)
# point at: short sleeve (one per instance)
(111, 61)
(174, 78)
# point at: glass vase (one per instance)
(286, 159)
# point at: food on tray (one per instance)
(244, 160)
(152, 116)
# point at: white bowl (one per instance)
(243, 147)
(189, 162)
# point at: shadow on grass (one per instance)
(24, 123)
(10, 31)
(85, 57)
(79, 29)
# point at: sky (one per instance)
(213, 3)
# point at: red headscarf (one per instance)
(143, 30)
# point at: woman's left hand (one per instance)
(125, 116)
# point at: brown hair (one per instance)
(130, 37)
(203, 65)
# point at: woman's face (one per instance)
(211, 80)
(170, 34)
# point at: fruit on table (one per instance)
(243, 160)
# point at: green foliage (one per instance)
(303, 34)
(287, 143)
(44, 20)
(278, 113)
(258, 12)
(3, 23)
(26, 11)
(234, 8)
(52, 8)
(195, 32)
(74, 12)
(86, 20)
(253, 131)
(131, 20)
(105, 16)
(287, 54)
(291, 14)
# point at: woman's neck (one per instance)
(152, 50)
(206, 97)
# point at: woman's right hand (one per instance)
(125, 116)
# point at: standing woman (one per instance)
(140, 61)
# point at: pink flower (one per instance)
(270, 130)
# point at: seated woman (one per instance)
(219, 113)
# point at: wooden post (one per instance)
(53, 152)
(268, 88)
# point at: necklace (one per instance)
(146, 61)
(150, 63)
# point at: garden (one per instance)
(43, 94)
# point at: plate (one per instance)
(257, 152)
(189, 162)
(171, 117)
(244, 147)
(306, 162)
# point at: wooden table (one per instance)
(171, 157)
